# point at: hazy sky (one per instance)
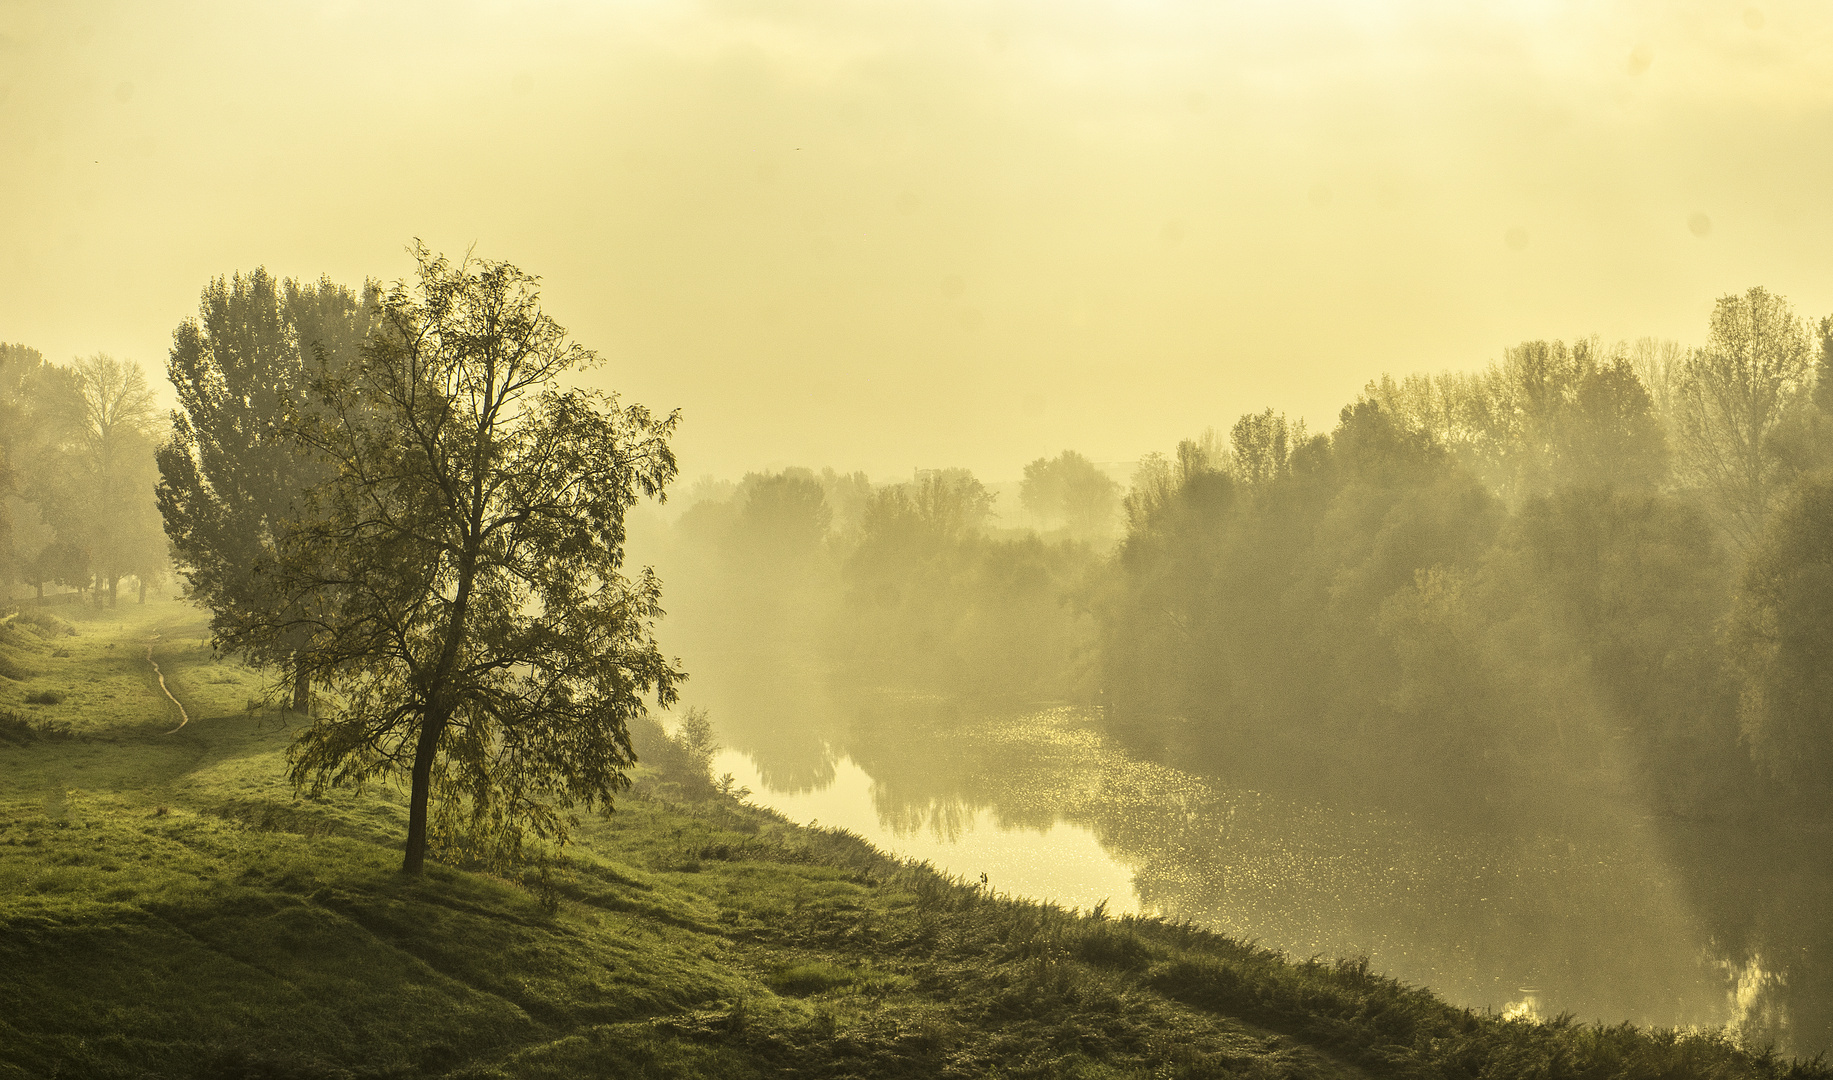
(891, 233)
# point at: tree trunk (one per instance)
(41, 593)
(417, 797)
(143, 590)
(302, 690)
(114, 584)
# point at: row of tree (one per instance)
(904, 585)
(1584, 564)
(77, 476)
(1581, 563)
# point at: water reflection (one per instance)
(1584, 906)
(1061, 862)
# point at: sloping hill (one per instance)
(168, 908)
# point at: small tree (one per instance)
(459, 572)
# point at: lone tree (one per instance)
(458, 575)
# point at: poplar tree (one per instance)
(231, 477)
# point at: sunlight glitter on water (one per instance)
(1064, 864)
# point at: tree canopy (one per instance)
(456, 578)
(1757, 366)
(231, 476)
(1070, 489)
(76, 502)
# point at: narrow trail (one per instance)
(183, 716)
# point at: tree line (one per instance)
(77, 475)
(1584, 563)
(912, 585)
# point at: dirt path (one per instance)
(183, 717)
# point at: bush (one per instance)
(686, 757)
(45, 697)
(14, 729)
(17, 730)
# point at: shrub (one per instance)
(686, 757)
(45, 697)
(14, 729)
(17, 730)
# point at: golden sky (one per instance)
(886, 234)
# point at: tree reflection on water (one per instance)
(1575, 903)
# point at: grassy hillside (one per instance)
(168, 908)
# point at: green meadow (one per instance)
(170, 907)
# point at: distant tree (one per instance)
(1823, 364)
(785, 515)
(767, 550)
(41, 421)
(846, 495)
(58, 561)
(459, 570)
(1626, 594)
(1782, 638)
(1611, 432)
(950, 503)
(231, 476)
(1455, 409)
(698, 746)
(109, 511)
(14, 361)
(1733, 395)
(1041, 491)
(1570, 414)
(1657, 363)
(935, 604)
(1261, 446)
(1450, 701)
(1548, 415)
(1070, 489)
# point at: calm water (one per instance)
(1062, 861)
(1594, 907)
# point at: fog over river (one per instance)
(1592, 907)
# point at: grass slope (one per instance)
(169, 909)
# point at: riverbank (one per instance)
(1588, 905)
(168, 908)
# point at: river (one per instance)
(1593, 908)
